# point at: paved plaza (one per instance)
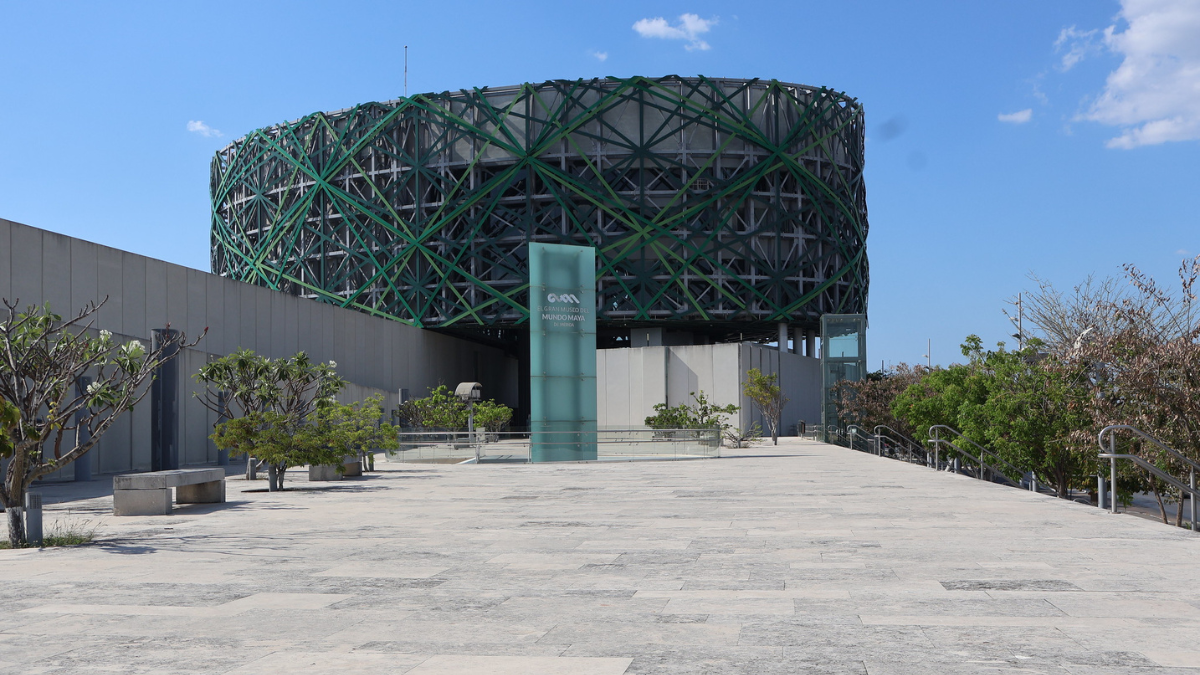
(801, 558)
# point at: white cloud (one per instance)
(1078, 45)
(600, 56)
(198, 127)
(690, 28)
(1154, 95)
(1183, 251)
(1019, 117)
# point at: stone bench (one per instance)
(149, 494)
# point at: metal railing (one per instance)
(907, 443)
(518, 446)
(982, 465)
(855, 432)
(1112, 456)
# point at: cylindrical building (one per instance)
(719, 208)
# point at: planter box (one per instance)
(352, 467)
(324, 472)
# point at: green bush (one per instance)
(701, 414)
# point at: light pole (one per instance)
(469, 393)
(928, 352)
(1019, 320)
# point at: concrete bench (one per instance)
(149, 494)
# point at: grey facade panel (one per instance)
(632, 381)
(84, 286)
(5, 261)
(56, 276)
(133, 294)
(26, 266)
(110, 284)
(156, 314)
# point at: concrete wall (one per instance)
(630, 381)
(375, 355)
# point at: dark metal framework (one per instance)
(718, 206)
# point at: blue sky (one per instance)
(110, 114)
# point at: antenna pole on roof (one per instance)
(405, 71)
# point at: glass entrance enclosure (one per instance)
(843, 357)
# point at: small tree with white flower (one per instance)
(264, 404)
(42, 358)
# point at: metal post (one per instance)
(936, 438)
(1101, 491)
(471, 429)
(1192, 499)
(33, 518)
(1020, 323)
(1112, 464)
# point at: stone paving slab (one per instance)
(805, 558)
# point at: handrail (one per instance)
(982, 464)
(1163, 475)
(1112, 456)
(902, 436)
(1112, 428)
(958, 433)
(908, 441)
(856, 430)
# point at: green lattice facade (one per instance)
(719, 206)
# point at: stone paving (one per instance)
(802, 558)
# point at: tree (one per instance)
(237, 385)
(940, 393)
(492, 416)
(868, 402)
(1031, 415)
(1027, 407)
(42, 358)
(348, 430)
(1064, 321)
(287, 391)
(1146, 372)
(768, 397)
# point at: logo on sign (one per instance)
(564, 297)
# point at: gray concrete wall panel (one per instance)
(84, 286)
(156, 314)
(631, 381)
(25, 260)
(133, 294)
(5, 260)
(110, 285)
(219, 334)
(56, 276)
(178, 300)
(197, 301)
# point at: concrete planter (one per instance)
(323, 472)
(352, 467)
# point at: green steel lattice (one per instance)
(726, 206)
